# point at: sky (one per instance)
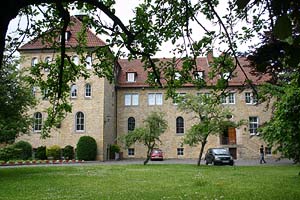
(124, 10)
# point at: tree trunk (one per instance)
(201, 151)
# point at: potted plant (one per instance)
(115, 151)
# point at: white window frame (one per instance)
(88, 90)
(79, 122)
(181, 94)
(250, 98)
(253, 130)
(74, 90)
(75, 60)
(89, 62)
(177, 76)
(38, 122)
(34, 61)
(226, 76)
(131, 99)
(228, 99)
(155, 99)
(131, 77)
(48, 60)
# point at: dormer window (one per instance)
(131, 77)
(199, 75)
(226, 76)
(177, 75)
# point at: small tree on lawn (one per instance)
(154, 126)
(212, 118)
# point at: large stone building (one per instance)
(104, 110)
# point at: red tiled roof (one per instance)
(239, 78)
(74, 28)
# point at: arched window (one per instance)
(179, 125)
(48, 61)
(88, 90)
(131, 124)
(37, 123)
(73, 91)
(34, 61)
(75, 60)
(79, 121)
(88, 61)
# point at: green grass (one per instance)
(150, 182)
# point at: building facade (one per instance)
(105, 111)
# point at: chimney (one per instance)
(210, 56)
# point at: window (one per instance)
(33, 91)
(73, 91)
(88, 90)
(131, 99)
(88, 61)
(34, 61)
(179, 125)
(45, 94)
(131, 152)
(229, 99)
(48, 61)
(268, 151)
(75, 60)
(67, 35)
(253, 125)
(250, 98)
(178, 98)
(177, 76)
(38, 120)
(131, 124)
(226, 76)
(154, 99)
(180, 151)
(199, 75)
(79, 122)
(131, 77)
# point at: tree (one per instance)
(211, 115)
(16, 99)
(154, 126)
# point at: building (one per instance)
(104, 110)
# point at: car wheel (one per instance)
(213, 162)
(206, 162)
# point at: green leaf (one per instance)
(283, 27)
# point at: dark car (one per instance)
(157, 154)
(218, 156)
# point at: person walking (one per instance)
(262, 154)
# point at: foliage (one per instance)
(282, 131)
(68, 152)
(148, 135)
(211, 115)
(10, 153)
(26, 149)
(41, 153)
(86, 148)
(15, 100)
(194, 183)
(53, 152)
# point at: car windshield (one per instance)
(220, 151)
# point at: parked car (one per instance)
(157, 154)
(218, 156)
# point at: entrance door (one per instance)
(231, 135)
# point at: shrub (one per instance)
(26, 150)
(86, 148)
(114, 148)
(68, 152)
(41, 153)
(10, 153)
(54, 152)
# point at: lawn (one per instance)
(150, 182)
